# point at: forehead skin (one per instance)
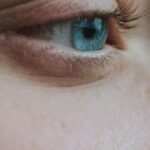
(105, 115)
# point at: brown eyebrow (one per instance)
(40, 12)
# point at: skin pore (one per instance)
(110, 113)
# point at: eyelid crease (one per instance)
(41, 12)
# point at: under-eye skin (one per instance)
(69, 52)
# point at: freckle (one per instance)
(64, 127)
(52, 46)
(148, 92)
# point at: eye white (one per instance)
(61, 34)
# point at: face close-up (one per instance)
(74, 75)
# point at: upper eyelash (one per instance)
(126, 14)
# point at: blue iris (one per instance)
(89, 34)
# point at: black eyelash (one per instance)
(126, 14)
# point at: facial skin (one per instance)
(110, 112)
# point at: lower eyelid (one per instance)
(43, 59)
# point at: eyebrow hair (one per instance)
(43, 11)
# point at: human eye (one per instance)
(89, 34)
(67, 42)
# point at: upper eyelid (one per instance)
(11, 3)
(40, 12)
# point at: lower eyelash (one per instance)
(126, 14)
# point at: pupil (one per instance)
(89, 32)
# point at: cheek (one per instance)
(106, 114)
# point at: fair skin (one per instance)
(111, 113)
